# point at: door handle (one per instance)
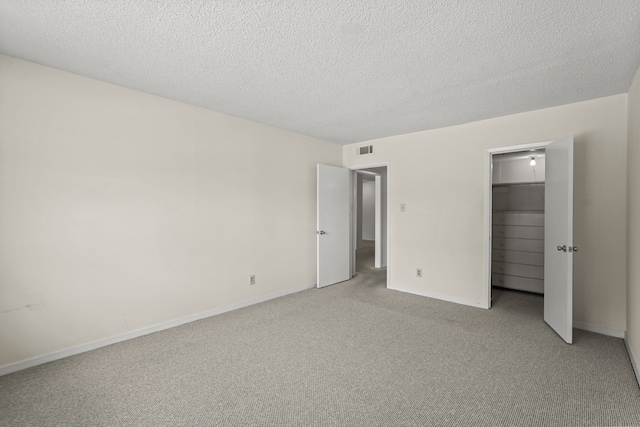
(573, 249)
(562, 248)
(321, 232)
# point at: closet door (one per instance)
(558, 234)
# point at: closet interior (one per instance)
(517, 258)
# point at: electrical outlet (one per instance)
(403, 207)
(419, 272)
(252, 279)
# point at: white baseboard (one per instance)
(39, 360)
(436, 295)
(599, 329)
(584, 326)
(632, 358)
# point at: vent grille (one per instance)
(365, 149)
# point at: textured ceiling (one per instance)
(340, 70)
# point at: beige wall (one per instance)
(633, 214)
(440, 176)
(120, 210)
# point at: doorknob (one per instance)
(321, 232)
(562, 248)
(573, 249)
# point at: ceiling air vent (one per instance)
(365, 149)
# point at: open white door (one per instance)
(558, 238)
(333, 217)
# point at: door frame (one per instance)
(488, 205)
(378, 213)
(387, 212)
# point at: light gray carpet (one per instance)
(353, 354)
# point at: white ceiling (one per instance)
(340, 70)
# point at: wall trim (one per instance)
(435, 295)
(83, 348)
(617, 333)
(636, 369)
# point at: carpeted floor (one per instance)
(352, 354)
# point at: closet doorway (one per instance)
(523, 218)
(517, 225)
